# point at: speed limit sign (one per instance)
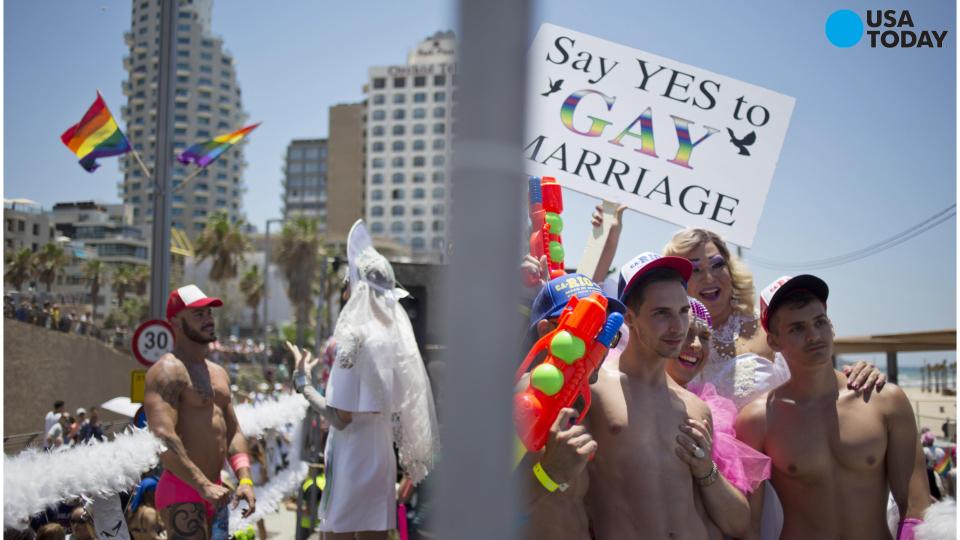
(152, 340)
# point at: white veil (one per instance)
(373, 314)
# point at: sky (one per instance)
(870, 150)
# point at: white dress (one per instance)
(361, 469)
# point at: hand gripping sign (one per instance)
(151, 340)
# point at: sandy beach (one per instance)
(932, 409)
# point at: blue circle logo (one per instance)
(844, 28)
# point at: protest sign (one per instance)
(667, 139)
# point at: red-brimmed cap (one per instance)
(189, 296)
(643, 264)
(771, 295)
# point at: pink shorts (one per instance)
(172, 490)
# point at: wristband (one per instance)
(239, 461)
(906, 530)
(546, 481)
(710, 478)
(246, 482)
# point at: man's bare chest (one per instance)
(203, 388)
(816, 443)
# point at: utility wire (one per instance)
(873, 249)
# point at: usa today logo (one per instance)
(889, 28)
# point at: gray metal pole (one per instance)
(266, 284)
(481, 286)
(163, 163)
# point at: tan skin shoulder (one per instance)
(751, 423)
(168, 376)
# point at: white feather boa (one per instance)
(271, 494)
(33, 480)
(939, 522)
(255, 419)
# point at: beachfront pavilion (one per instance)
(937, 340)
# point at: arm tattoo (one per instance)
(170, 390)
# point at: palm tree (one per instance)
(94, 271)
(251, 285)
(140, 280)
(123, 277)
(225, 243)
(20, 268)
(300, 244)
(49, 260)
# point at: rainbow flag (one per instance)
(95, 136)
(206, 153)
(944, 464)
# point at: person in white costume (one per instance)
(378, 396)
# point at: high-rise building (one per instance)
(345, 181)
(305, 185)
(27, 225)
(409, 125)
(206, 103)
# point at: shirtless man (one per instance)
(188, 406)
(651, 476)
(835, 455)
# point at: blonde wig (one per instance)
(685, 241)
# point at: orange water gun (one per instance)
(546, 204)
(575, 350)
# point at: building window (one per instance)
(377, 179)
(397, 195)
(399, 114)
(397, 178)
(438, 192)
(377, 131)
(439, 144)
(419, 81)
(397, 210)
(376, 147)
(398, 130)
(379, 114)
(437, 243)
(419, 193)
(419, 161)
(437, 225)
(438, 160)
(397, 161)
(396, 227)
(379, 83)
(376, 163)
(439, 96)
(399, 98)
(439, 128)
(418, 244)
(419, 112)
(399, 82)
(419, 144)
(376, 211)
(419, 178)
(439, 80)
(419, 129)
(36, 229)
(437, 210)
(439, 112)
(379, 99)
(376, 195)
(420, 97)
(398, 146)
(376, 227)
(418, 210)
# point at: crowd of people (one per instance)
(60, 428)
(51, 316)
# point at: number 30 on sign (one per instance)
(152, 339)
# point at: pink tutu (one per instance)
(741, 465)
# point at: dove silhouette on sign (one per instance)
(554, 87)
(743, 143)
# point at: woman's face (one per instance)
(693, 357)
(711, 282)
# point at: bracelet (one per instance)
(710, 478)
(546, 481)
(239, 461)
(246, 482)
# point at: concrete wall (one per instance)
(41, 366)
